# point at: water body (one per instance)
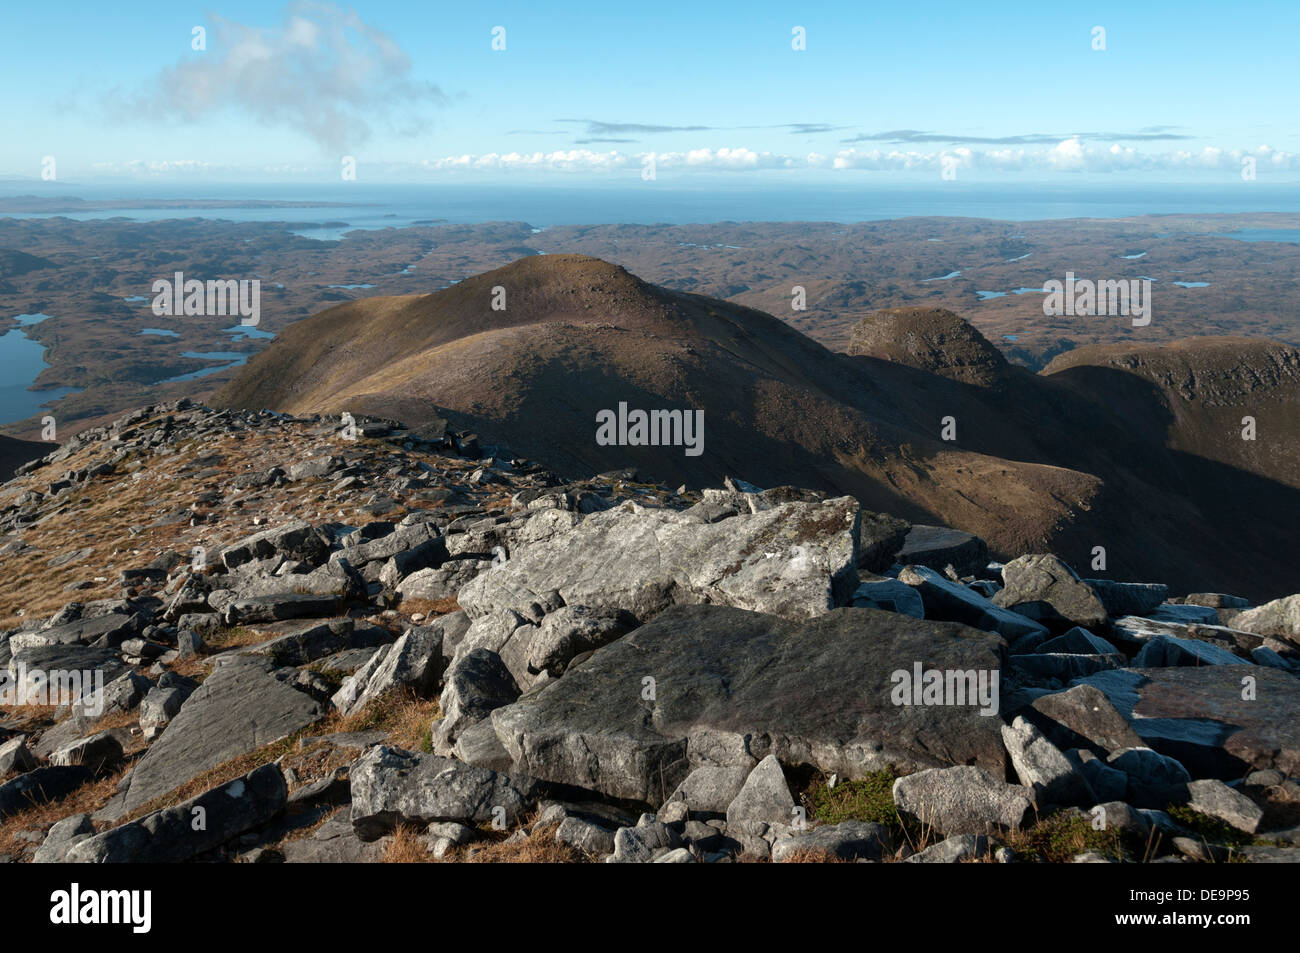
(349, 287)
(674, 203)
(1140, 254)
(947, 277)
(161, 332)
(1027, 291)
(21, 361)
(1264, 235)
(1019, 258)
(1192, 284)
(990, 295)
(233, 359)
(242, 332)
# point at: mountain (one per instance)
(1121, 448)
(14, 453)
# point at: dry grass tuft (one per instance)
(87, 799)
(407, 846)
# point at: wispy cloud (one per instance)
(917, 136)
(323, 72)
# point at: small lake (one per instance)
(21, 360)
(232, 359)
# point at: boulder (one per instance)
(1043, 587)
(171, 835)
(1279, 619)
(1128, 598)
(61, 838)
(1042, 766)
(938, 547)
(414, 661)
(1083, 716)
(797, 560)
(850, 840)
(476, 685)
(764, 796)
(945, 599)
(962, 800)
(742, 685)
(571, 630)
(392, 786)
(1219, 720)
(1215, 799)
(239, 708)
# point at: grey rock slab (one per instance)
(585, 836)
(1215, 799)
(889, 595)
(850, 840)
(334, 842)
(414, 661)
(765, 796)
(571, 630)
(390, 785)
(1219, 720)
(938, 547)
(239, 708)
(171, 835)
(945, 599)
(962, 800)
(709, 789)
(97, 752)
(1081, 716)
(15, 757)
(476, 685)
(1079, 641)
(1042, 766)
(1279, 619)
(817, 692)
(1166, 650)
(1128, 598)
(1043, 587)
(953, 850)
(41, 785)
(62, 836)
(797, 560)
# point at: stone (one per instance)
(1079, 641)
(571, 630)
(951, 601)
(1166, 650)
(392, 786)
(40, 786)
(1200, 717)
(296, 539)
(806, 692)
(1279, 619)
(953, 850)
(797, 560)
(1044, 588)
(585, 836)
(962, 800)
(889, 595)
(1215, 799)
(938, 547)
(765, 796)
(476, 685)
(62, 836)
(1128, 598)
(414, 661)
(709, 789)
(14, 756)
(1042, 766)
(850, 840)
(170, 835)
(98, 752)
(334, 842)
(239, 708)
(1153, 778)
(640, 844)
(1083, 716)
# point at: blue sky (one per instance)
(586, 92)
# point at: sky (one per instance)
(585, 92)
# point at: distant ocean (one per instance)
(395, 206)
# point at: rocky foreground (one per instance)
(320, 640)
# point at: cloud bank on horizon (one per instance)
(291, 95)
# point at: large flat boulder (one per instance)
(1219, 720)
(240, 707)
(1043, 587)
(796, 560)
(727, 686)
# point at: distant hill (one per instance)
(1103, 450)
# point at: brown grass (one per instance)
(406, 718)
(407, 846)
(430, 607)
(539, 847)
(87, 799)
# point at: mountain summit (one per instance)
(924, 419)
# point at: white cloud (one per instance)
(324, 73)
